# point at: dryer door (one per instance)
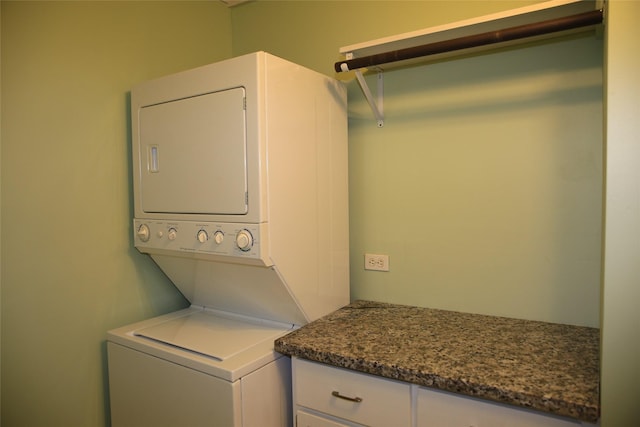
(192, 155)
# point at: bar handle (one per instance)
(154, 165)
(350, 399)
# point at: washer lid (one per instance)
(211, 335)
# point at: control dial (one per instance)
(202, 236)
(143, 233)
(218, 237)
(244, 240)
(173, 233)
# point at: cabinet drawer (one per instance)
(305, 419)
(442, 409)
(375, 401)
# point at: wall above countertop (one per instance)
(484, 186)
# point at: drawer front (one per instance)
(442, 409)
(361, 398)
(305, 419)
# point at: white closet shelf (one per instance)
(522, 25)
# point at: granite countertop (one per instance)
(544, 366)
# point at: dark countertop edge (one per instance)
(577, 411)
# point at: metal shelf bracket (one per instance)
(377, 104)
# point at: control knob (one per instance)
(143, 233)
(202, 236)
(173, 233)
(218, 237)
(244, 240)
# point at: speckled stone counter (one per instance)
(544, 366)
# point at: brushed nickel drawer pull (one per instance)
(350, 399)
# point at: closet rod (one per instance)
(585, 19)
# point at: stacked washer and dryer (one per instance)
(240, 197)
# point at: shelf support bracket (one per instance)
(377, 105)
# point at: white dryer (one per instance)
(240, 196)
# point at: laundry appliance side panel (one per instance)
(307, 189)
(266, 396)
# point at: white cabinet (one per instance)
(306, 419)
(326, 396)
(441, 409)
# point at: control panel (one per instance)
(239, 240)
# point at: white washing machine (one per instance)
(240, 197)
(198, 368)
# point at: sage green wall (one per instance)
(310, 32)
(485, 184)
(69, 270)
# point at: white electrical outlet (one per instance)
(376, 262)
